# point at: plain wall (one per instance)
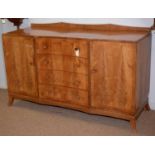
(2, 66)
(140, 22)
(152, 80)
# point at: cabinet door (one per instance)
(19, 57)
(113, 67)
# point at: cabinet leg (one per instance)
(10, 102)
(133, 123)
(147, 107)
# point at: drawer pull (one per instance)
(45, 47)
(94, 70)
(46, 62)
(77, 52)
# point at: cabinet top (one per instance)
(77, 31)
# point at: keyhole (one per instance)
(77, 52)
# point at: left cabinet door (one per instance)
(20, 65)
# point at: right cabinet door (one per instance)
(113, 74)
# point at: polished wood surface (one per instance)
(143, 71)
(66, 47)
(77, 31)
(63, 78)
(113, 75)
(89, 27)
(63, 63)
(62, 72)
(63, 94)
(102, 69)
(20, 65)
(106, 36)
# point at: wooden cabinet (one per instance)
(20, 64)
(100, 69)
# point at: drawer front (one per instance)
(63, 94)
(62, 78)
(62, 63)
(66, 47)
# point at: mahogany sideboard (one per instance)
(97, 69)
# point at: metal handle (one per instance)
(45, 47)
(77, 52)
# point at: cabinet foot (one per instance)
(133, 124)
(10, 102)
(147, 107)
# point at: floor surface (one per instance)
(26, 118)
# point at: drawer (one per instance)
(73, 80)
(63, 94)
(62, 63)
(70, 47)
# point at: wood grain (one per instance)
(88, 27)
(20, 65)
(62, 47)
(113, 75)
(97, 69)
(62, 78)
(143, 71)
(64, 94)
(63, 63)
(106, 32)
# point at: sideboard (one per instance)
(97, 69)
